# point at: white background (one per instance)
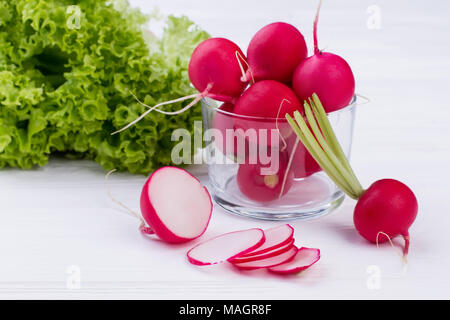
(59, 216)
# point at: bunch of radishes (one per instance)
(273, 79)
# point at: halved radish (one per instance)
(275, 237)
(304, 258)
(225, 247)
(264, 255)
(268, 262)
(175, 205)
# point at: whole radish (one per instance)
(267, 99)
(386, 209)
(263, 106)
(215, 70)
(262, 186)
(274, 52)
(327, 75)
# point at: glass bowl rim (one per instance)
(206, 101)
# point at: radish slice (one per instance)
(304, 258)
(275, 237)
(268, 254)
(175, 205)
(225, 247)
(268, 262)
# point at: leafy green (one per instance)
(65, 79)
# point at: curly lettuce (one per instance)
(66, 72)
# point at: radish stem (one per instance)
(306, 137)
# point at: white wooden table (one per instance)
(61, 237)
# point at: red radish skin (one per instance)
(387, 207)
(263, 99)
(274, 52)
(269, 101)
(303, 163)
(327, 75)
(226, 247)
(268, 262)
(265, 255)
(214, 69)
(229, 146)
(275, 237)
(174, 204)
(264, 187)
(304, 259)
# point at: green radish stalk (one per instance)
(387, 208)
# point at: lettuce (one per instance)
(66, 73)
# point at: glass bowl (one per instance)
(290, 185)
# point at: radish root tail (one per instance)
(405, 251)
(316, 20)
(245, 75)
(143, 228)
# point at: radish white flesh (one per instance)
(264, 255)
(275, 237)
(175, 205)
(268, 262)
(225, 247)
(304, 258)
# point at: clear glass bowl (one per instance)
(298, 190)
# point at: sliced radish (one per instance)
(268, 262)
(225, 247)
(268, 254)
(175, 205)
(275, 237)
(304, 258)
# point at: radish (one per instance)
(230, 141)
(174, 204)
(261, 107)
(215, 70)
(274, 252)
(268, 262)
(215, 63)
(386, 209)
(327, 75)
(226, 247)
(264, 98)
(304, 259)
(275, 238)
(303, 164)
(274, 52)
(265, 182)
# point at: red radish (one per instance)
(226, 247)
(304, 259)
(264, 98)
(175, 205)
(230, 138)
(268, 262)
(303, 164)
(275, 237)
(268, 254)
(214, 63)
(385, 210)
(267, 100)
(274, 52)
(264, 182)
(215, 69)
(327, 75)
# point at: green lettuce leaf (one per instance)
(66, 73)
